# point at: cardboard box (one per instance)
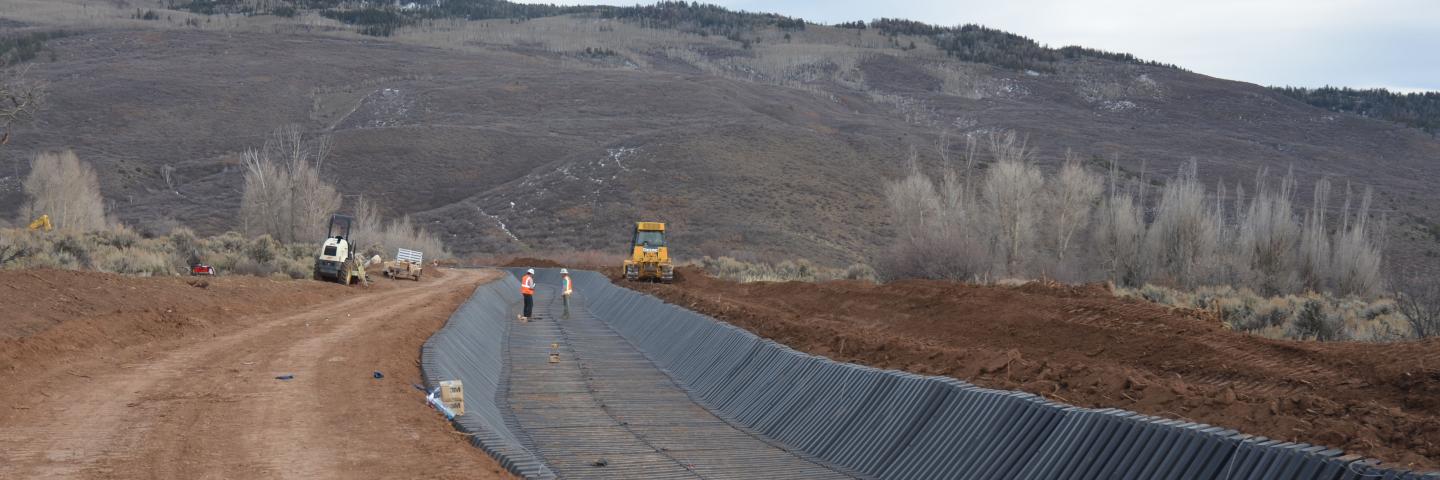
(452, 394)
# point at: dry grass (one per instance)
(1308, 316)
(800, 270)
(121, 250)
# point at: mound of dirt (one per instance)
(55, 315)
(1083, 346)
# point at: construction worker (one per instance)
(527, 288)
(565, 294)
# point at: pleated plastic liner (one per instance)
(874, 423)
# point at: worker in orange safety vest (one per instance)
(527, 288)
(565, 295)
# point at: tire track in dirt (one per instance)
(1272, 377)
(214, 409)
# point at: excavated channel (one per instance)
(603, 410)
(644, 389)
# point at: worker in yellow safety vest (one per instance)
(527, 288)
(569, 289)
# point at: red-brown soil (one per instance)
(1084, 346)
(117, 377)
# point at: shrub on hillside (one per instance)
(145, 263)
(800, 270)
(186, 246)
(1314, 321)
(120, 250)
(1418, 301)
(860, 271)
(1275, 313)
(1310, 316)
(264, 249)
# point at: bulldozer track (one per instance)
(1261, 367)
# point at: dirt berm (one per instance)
(1084, 346)
(107, 376)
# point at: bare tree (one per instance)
(1314, 262)
(285, 196)
(936, 230)
(65, 188)
(914, 201)
(378, 237)
(947, 227)
(1183, 238)
(1068, 202)
(1119, 234)
(1011, 196)
(1269, 236)
(1356, 259)
(20, 98)
(956, 242)
(369, 224)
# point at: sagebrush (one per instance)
(121, 250)
(1308, 316)
(786, 271)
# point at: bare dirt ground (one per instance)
(1084, 346)
(114, 377)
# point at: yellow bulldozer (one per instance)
(649, 256)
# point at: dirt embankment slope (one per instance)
(115, 377)
(1083, 346)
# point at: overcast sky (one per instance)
(1357, 43)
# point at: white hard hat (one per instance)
(564, 272)
(530, 271)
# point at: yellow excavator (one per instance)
(42, 224)
(649, 256)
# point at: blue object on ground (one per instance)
(285, 377)
(379, 375)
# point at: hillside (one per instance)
(555, 132)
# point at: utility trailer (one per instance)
(407, 264)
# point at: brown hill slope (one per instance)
(506, 143)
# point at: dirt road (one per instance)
(205, 402)
(1084, 346)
